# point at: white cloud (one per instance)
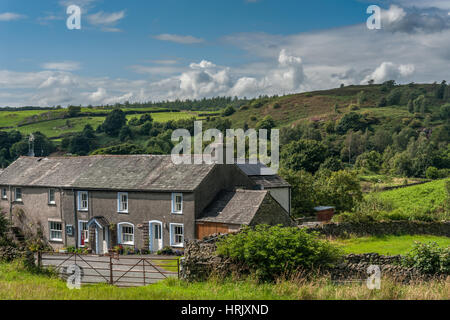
(390, 71)
(62, 66)
(10, 16)
(102, 18)
(106, 21)
(178, 38)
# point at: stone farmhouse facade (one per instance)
(139, 201)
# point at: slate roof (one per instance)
(237, 207)
(263, 175)
(127, 173)
(257, 169)
(269, 182)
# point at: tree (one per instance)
(125, 133)
(411, 106)
(303, 194)
(445, 112)
(145, 118)
(115, 120)
(394, 97)
(332, 164)
(440, 90)
(351, 120)
(228, 111)
(73, 111)
(340, 189)
(369, 160)
(303, 155)
(267, 123)
(80, 145)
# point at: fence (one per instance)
(123, 271)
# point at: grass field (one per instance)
(387, 245)
(58, 127)
(18, 284)
(424, 198)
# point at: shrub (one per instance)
(428, 258)
(271, 252)
(228, 111)
(432, 173)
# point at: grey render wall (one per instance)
(34, 212)
(143, 207)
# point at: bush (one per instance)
(271, 252)
(228, 111)
(429, 258)
(432, 173)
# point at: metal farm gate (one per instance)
(122, 271)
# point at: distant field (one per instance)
(58, 127)
(387, 245)
(424, 198)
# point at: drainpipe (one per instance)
(75, 218)
(10, 204)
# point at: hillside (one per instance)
(320, 105)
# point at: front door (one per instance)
(101, 240)
(156, 240)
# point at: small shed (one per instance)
(324, 214)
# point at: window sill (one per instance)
(52, 204)
(177, 245)
(83, 210)
(56, 240)
(122, 212)
(127, 244)
(177, 213)
(18, 201)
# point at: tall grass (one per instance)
(16, 283)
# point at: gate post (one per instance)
(39, 259)
(111, 279)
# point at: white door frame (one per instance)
(150, 234)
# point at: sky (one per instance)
(140, 50)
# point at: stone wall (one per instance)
(355, 266)
(383, 228)
(201, 261)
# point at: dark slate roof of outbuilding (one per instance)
(130, 172)
(257, 169)
(237, 207)
(270, 181)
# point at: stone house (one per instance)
(141, 201)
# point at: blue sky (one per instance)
(140, 50)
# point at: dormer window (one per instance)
(83, 201)
(177, 203)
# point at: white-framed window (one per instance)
(122, 202)
(176, 235)
(83, 233)
(83, 201)
(125, 233)
(4, 194)
(18, 194)
(51, 196)
(177, 203)
(55, 231)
